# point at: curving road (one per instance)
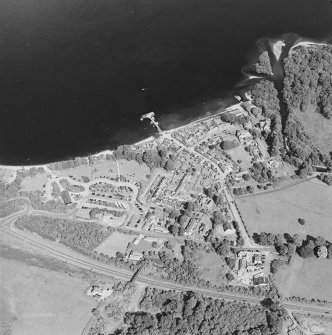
(84, 262)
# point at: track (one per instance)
(86, 263)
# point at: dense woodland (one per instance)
(78, 234)
(307, 82)
(263, 66)
(153, 158)
(308, 79)
(265, 96)
(175, 313)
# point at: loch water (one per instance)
(75, 75)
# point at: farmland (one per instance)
(38, 301)
(278, 212)
(308, 278)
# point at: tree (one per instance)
(301, 221)
(229, 276)
(262, 239)
(279, 240)
(119, 255)
(246, 176)
(283, 250)
(250, 189)
(230, 261)
(263, 65)
(306, 252)
(209, 192)
(240, 241)
(222, 248)
(291, 249)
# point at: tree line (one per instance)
(169, 312)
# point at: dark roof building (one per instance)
(66, 197)
(261, 280)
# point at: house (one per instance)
(99, 292)
(66, 197)
(135, 255)
(265, 125)
(243, 136)
(260, 279)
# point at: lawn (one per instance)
(239, 153)
(115, 242)
(36, 301)
(318, 127)
(278, 212)
(308, 278)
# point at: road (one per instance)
(278, 189)
(84, 262)
(238, 219)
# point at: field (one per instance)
(30, 184)
(211, 267)
(278, 212)
(129, 169)
(308, 278)
(318, 127)
(36, 301)
(116, 242)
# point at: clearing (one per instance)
(211, 266)
(278, 212)
(318, 128)
(308, 278)
(38, 301)
(30, 184)
(115, 242)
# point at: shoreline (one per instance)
(109, 151)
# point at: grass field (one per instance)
(131, 170)
(279, 211)
(36, 183)
(36, 301)
(308, 278)
(318, 127)
(211, 267)
(115, 242)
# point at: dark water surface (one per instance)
(75, 75)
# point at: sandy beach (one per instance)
(277, 48)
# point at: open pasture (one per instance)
(36, 301)
(318, 128)
(309, 278)
(278, 212)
